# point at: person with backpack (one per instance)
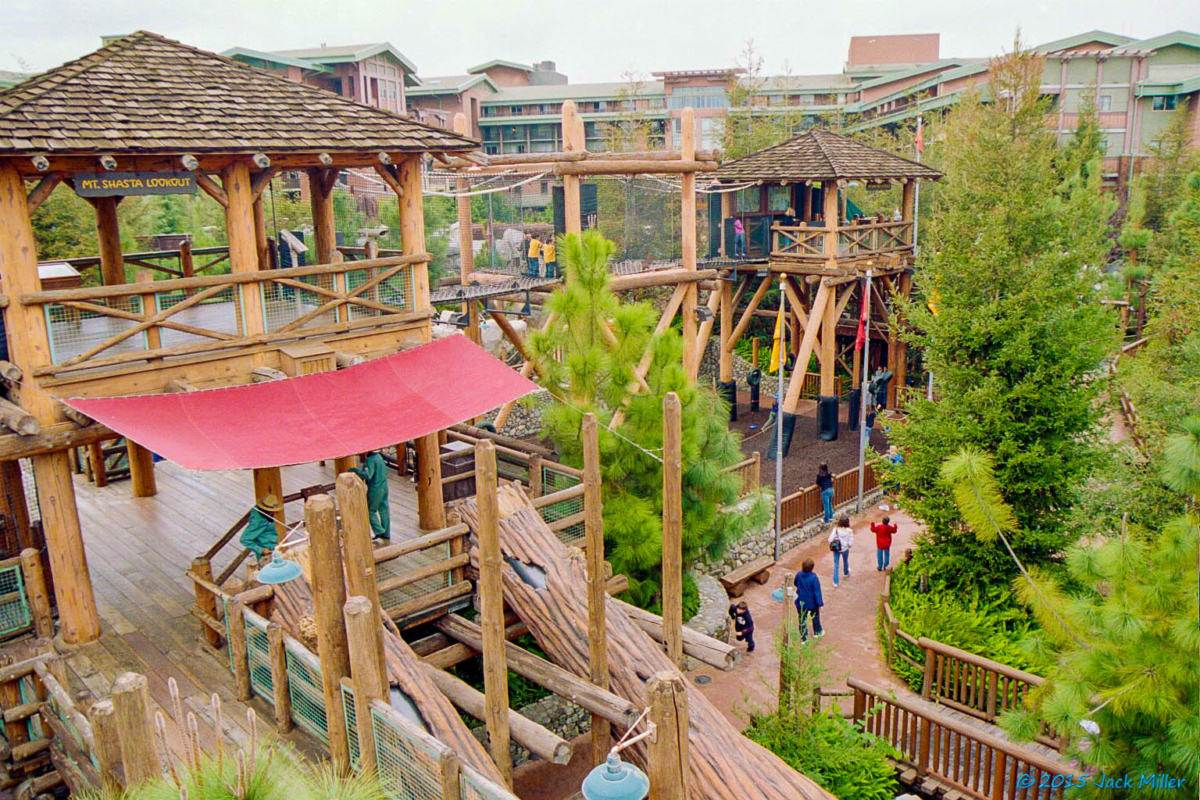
(883, 542)
(841, 539)
(824, 483)
(809, 600)
(743, 624)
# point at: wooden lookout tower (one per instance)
(798, 231)
(142, 115)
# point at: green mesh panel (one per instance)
(410, 563)
(259, 657)
(306, 690)
(14, 605)
(33, 725)
(512, 468)
(555, 481)
(351, 716)
(408, 767)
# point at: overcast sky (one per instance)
(595, 40)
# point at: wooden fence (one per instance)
(749, 472)
(158, 260)
(974, 763)
(803, 506)
(24, 597)
(966, 682)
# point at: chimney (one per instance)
(546, 73)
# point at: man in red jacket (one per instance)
(883, 542)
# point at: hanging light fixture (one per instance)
(615, 780)
(279, 570)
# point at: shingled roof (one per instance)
(144, 93)
(821, 155)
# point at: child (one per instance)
(840, 542)
(743, 624)
(883, 543)
(551, 258)
(535, 247)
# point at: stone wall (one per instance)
(526, 416)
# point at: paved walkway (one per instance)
(848, 618)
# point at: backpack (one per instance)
(836, 545)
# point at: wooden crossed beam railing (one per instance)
(106, 301)
(878, 237)
(798, 241)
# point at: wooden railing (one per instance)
(749, 472)
(25, 601)
(110, 326)
(807, 243)
(804, 506)
(184, 258)
(811, 388)
(424, 575)
(975, 763)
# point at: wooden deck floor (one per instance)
(138, 550)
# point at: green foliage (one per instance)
(521, 690)
(1018, 338)
(273, 773)
(586, 371)
(64, 226)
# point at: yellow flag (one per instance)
(776, 349)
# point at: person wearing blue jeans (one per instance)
(809, 600)
(825, 485)
(840, 542)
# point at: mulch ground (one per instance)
(807, 450)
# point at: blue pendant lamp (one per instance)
(615, 780)
(279, 570)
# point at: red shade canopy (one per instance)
(314, 417)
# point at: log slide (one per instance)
(412, 688)
(544, 584)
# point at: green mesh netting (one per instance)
(350, 713)
(259, 657)
(408, 767)
(555, 481)
(14, 605)
(306, 690)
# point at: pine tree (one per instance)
(1014, 247)
(1122, 625)
(588, 370)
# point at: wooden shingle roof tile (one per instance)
(820, 155)
(144, 93)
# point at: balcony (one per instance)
(802, 243)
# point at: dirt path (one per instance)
(848, 619)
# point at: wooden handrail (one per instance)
(570, 493)
(207, 281)
(980, 661)
(433, 539)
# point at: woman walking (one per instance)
(840, 542)
(883, 542)
(825, 484)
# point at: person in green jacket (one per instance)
(374, 474)
(260, 535)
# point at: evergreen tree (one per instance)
(1122, 625)
(587, 369)
(1018, 336)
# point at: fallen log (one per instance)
(17, 419)
(578, 690)
(543, 743)
(723, 765)
(413, 693)
(703, 648)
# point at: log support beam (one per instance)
(329, 597)
(491, 609)
(597, 580)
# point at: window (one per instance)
(747, 200)
(779, 198)
(1164, 103)
(1104, 102)
(698, 97)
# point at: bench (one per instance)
(758, 570)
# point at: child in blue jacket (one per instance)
(743, 624)
(809, 600)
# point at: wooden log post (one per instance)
(243, 244)
(669, 768)
(281, 692)
(927, 676)
(364, 633)
(329, 595)
(361, 579)
(725, 351)
(726, 213)
(269, 480)
(574, 141)
(903, 289)
(535, 476)
(466, 242)
(412, 227)
(431, 511)
(262, 244)
(491, 608)
(593, 509)
(38, 596)
(29, 347)
(13, 505)
(103, 717)
(320, 183)
(672, 529)
(239, 653)
(131, 708)
(816, 314)
(450, 772)
(828, 360)
(206, 601)
(108, 239)
(831, 211)
(687, 238)
(789, 634)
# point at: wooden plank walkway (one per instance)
(138, 550)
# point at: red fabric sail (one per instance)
(314, 417)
